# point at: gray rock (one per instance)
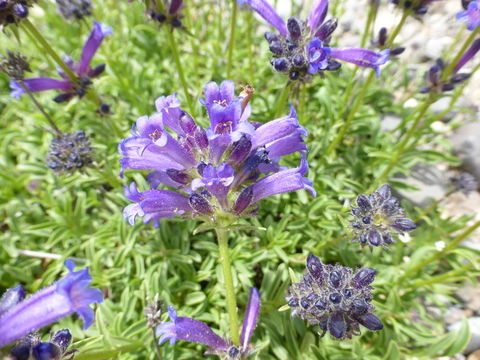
(474, 324)
(466, 145)
(470, 296)
(430, 181)
(390, 122)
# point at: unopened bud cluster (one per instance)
(381, 43)
(418, 7)
(377, 217)
(436, 83)
(30, 347)
(13, 11)
(169, 15)
(69, 152)
(290, 52)
(464, 182)
(335, 298)
(15, 65)
(74, 9)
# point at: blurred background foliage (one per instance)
(80, 215)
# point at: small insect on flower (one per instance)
(222, 171)
(377, 217)
(188, 329)
(335, 298)
(69, 152)
(14, 11)
(83, 71)
(301, 48)
(74, 9)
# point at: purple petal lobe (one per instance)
(364, 277)
(265, 10)
(251, 317)
(317, 14)
(362, 57)
(99, 32)
(337, 325)
(370, 321)
(11, 297)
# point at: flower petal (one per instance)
(362, 57)
(317, 14)
(99, 32)
(265, 10)
(251, 317)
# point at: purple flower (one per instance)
(471, 16)
(469, 54)
(83, 70)
(301, 48)
(335, 298)
(56, 348)
(64, 297)
(222, 170)
(377, 217)
(187, 329)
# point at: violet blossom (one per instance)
(221, 171)
(188, 329)
(335, 298)
(64, 297)
(471, 15)
(83, 71)
(302, 47)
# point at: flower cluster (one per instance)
(464, 182)
(335, 298)
(13, 11)
(471, 14)
(302, 47)
(74, 9)
(15, 65)
(82, 70)
(188, 329)
(377, 217)
(419, 7)
(69, 152)
(19, 316)
(166, 12)
(30, 347)
(435, 76)
(220, 172)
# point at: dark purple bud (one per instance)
(382, 37)
(63, 97)
(294, 28)
(233, 352)
(176, 23)
(201, 167)
(97, 70)
(244, 200)
(440, 63)
(364, 203)
(421, 10)
(374, 237)
(276, 47)
(397, 51)
(333, 65)
(201, 138)
(370, 321)
(293, 75)
(384, 191)
(434, 74)
(367, 220)
(175, 6)
(11, 297)
(327, 29)
(305, 303)
(298, 60)
(359, 307)
(160, 17)
(3, 4)
(356, 212)
(364, 277)
(323, 323)
(104, 109)
(337, 325)
(270, 36)
(320, 304)
(46, 351)
(200, 204)
(448, 87)
(387, 238)
(63, 339)
(187, 124)
(468, 55)
(404, 225)
(20, 11)
(459, 78)
(314, 266)
(335, 279)
(425, 90)
(240, 149)
(335, 298)
(20, 352)
(178, 176)
(291, 46)
(465, 3)
(281, 65)
(390, 206)
(347, 292)
(356, 225)
(293, 302)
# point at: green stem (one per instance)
(397, 29)
(372, 13)
(250, 46)
(155, 342)
(231, 43)
(447, 277)
(222, 237)
(448, 71)
(402, 146)
(440, 254)
(282, 100)
(46, 46)
(181, 74)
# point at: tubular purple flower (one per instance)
(175, 6)
(250, 318)
(265, 10)
(469, 54)
(362, 57)
(471, 16)
(100, 31)
(317, 14)
(39, 84)
(66, 296)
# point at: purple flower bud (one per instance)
(363, 203)
(63, 339)
(11, 297)
(97, 70)
(294, 28)
(364, 277)
(459, 78)
(240, 149)
(178, 176)
(425, 90)
(333, 65)
(370, 321)
(294, 75)
(374, 237)
(448, 87)
(270, 36)
(20, 11)
(404, 225)
(384, 191)
(244, 200)
(327, 29)
(314, 266)
(335, 279)
(321, 304)
(382, 37)
(187, 124)
(337, 325)
(276, 47)
(200, 204)
(21, 351)
(293, 302)
(281, 65)
(46, 351)
(397, 51)
(201, 138)
(335, 298)
(359, 307)
(298, 60)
